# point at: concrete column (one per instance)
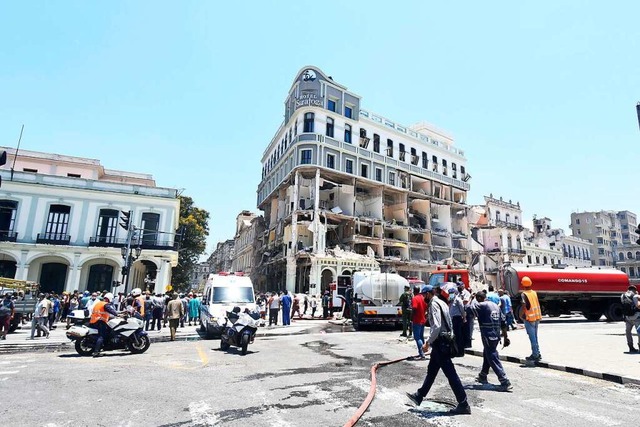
(318, 235)
(315, 278)
(294, 218)
(22, 268)
(163, 277)
(291, 274)
(73, 281)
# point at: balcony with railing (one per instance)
(147, 242)
(509, 224)
(8, 236)
(53, 238)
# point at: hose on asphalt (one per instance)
(372, 391)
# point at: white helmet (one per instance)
(136, 292)
(108, 296)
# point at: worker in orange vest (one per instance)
(531, 316)
(102, 312)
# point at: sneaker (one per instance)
(506, 386)
(415, 398)
(96, 354)
(530, 358)
(538, 357)
(462, 409)
(632, 349)
(482, 379)
(403, 335)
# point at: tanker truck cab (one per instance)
(444, 275)
(223, 292)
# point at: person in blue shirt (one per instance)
(491, 321)
(507, 308)
(285, 300)
(493, 296)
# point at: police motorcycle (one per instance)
(126, 332)
(239, 329)
(79, 317)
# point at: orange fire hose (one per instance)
(372, 391)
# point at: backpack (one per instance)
(628, 308)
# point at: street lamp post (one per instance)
(129, 255)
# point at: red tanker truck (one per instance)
(591, 291)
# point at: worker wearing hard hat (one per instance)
(531, 315)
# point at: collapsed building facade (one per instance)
(344, 189)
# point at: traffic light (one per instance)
(125, 219)
(3, 161)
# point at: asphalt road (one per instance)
(315, 379)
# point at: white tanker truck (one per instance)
(376, 298)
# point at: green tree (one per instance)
(194, 225)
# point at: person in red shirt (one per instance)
(418, 318)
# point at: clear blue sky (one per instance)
(540, 96)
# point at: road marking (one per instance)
(201, 414)
(203, 356)
(597, 419)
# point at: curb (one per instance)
(618, 379)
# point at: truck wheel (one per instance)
(356, 323)
(614, 312)
(592, 316)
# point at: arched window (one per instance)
(564, 250)
(629, 255)
(637, 255)
(537, 259)
(624, 270)
(544, 260)
(516, 220)
(507, 217)
(509, 242)
(308, 122)
(632, 272)
(329, 127)
(519, 243)
(347, 133)
(497, 215)
(620, 256)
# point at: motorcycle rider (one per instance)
(100, 315)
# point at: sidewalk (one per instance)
(594, 349)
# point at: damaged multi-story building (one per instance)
(345, 189)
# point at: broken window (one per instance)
(376, 143)
(444, 167)
(414, 157)
(389, 148)
(364, 171)
(425, 160)
(454, 171)
(434, 160)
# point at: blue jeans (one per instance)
(492, 359)
(440, 360)
(532, 331)
(511, 322)
(417, 335)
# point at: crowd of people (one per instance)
(449, 311)
(287, 305)
(52, 309)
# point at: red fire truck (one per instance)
(591, 291)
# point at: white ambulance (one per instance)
(223, 292)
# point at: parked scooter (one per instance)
(239, 329)
(125, 332)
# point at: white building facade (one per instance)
(59, 227)
(343, 185)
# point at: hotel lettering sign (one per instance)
(309, 99)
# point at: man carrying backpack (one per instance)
(631, 310)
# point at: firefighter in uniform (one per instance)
(531, 316)
(102, 312)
